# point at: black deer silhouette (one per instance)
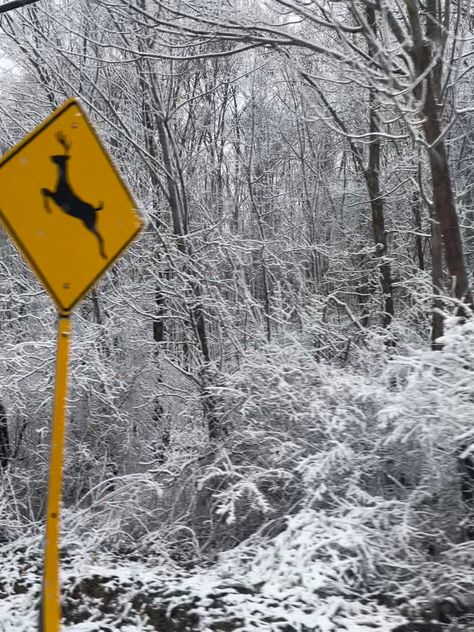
(67, 200)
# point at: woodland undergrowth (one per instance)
(338, 481)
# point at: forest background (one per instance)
(271, 400)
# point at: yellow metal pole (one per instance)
(50, 610)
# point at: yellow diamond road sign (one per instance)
(65, 205)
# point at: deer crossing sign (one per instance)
(70, 214)
(65, 205)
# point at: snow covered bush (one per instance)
(299, 433)
(378, 454)
(428, 426)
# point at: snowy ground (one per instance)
(201, 601)
(284, 586)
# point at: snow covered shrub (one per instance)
(343, 552)
(360, 453)
(300, 433)
(428, 429)
(309, 577)
(16, 514)
(118, 511)
(8, 522)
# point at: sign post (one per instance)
(69, 213)
(50, 606)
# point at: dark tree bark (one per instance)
(373, 185)
(466, 475)
(418, 237)
(378, 219)
(423, 55)
(4, 438)
(437, 320)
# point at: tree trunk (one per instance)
(437, 321)
(443, 201)
(4, 439)
(418, 237)
(372, 176)
(443, 196)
